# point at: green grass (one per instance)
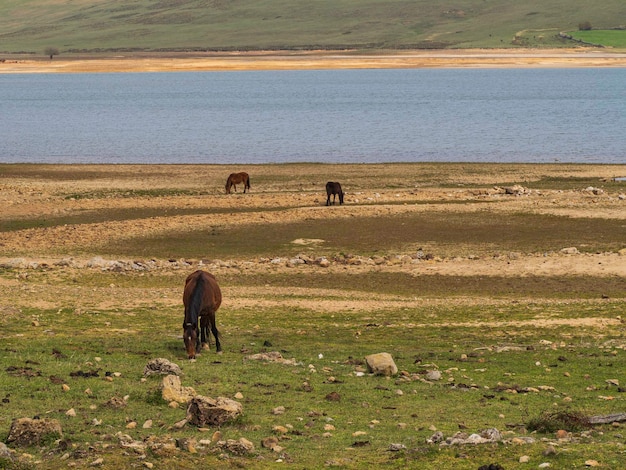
(608, 38)
(441, 234)
(117, 25)
(473, 392)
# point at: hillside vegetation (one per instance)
(31, 26)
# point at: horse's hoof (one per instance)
(205, 346)
(219, 352)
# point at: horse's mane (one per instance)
(196, 301)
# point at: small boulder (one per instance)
(242, 446)
(207, 411)
(173, 391)
(161, 366)
(381, 364)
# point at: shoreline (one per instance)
(314, 60)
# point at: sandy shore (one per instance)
(315, 60)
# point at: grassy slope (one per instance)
(32, 25)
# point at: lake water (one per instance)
(343, 116)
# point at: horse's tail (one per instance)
(196, 300)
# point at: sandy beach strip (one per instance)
(314, 60)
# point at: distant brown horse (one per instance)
(237, 178)
(201, 297)
(333, 188)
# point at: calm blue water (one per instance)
(468, 115)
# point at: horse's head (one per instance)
(190, 337)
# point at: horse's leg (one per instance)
(204, 332)
(328, 200)
(218, 346)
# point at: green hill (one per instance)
(197, 25)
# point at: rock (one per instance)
(273, 356)
(433, 375)
(115, 403)
(173, 391)
(515, 190)
(5, 452)
(203, 411)
(381, 364)
(436, 438)
(572, 250)
(270, 443)
(26, 432)
(161, 366)
(396, 447)
(240, 447)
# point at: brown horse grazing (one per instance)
(201, 297)
(237, 178)
(334, 189)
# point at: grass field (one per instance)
(609, 38)
(527, 339)
(194, 25)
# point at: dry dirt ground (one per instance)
(159, 62)
(60, 190)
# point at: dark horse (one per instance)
(237, 178)
(201, 297)
(334, 189)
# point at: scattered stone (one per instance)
(572, 250)
(26, 432)
(273, 356)
(203, 411)
(280, 429)
(115, 403)
(396, 447)
(550, 450)
(270, 442)
(237, 447)
(381, 364)
(71, 412)
(592, 463)
(279, 410)
(5, 452)
(433, 375)
(187, 444)
(333, 396)
(173, 391)
(561, 434)
(147, 424)
(161, 366)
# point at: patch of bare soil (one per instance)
(58, 192)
